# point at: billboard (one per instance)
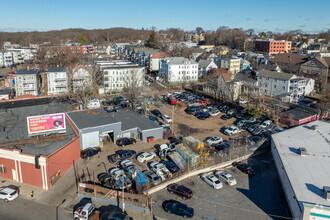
(46, 123)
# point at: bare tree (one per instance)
(133, 85)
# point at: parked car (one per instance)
(167, 119)
(226, 117)
(245, 168)
(202, 115)
(160, 170)
(226, 177)
(125, 141)
(258, 130)
(202, 101)
(121, 155)
(231, 112)
(211, 180)
(84, 212)
(8, 193)
(254, 141)
(115, 216)
(232, 130)
(266, 123)
(157, 113)
(103, 177)
(89, 152)
(146, 156)
(214, 112)
(182, 191)
(173, 100)
(214, 140)
(223, 148)
(253, 127)
(242, 101)
(172, 167)
(153, 178)
(177, 208)
(241, 123)
(253, 119)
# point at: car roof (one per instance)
(7, 190)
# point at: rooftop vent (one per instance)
(314, 127)
(326, 191)
(303, 151)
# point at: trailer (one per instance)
(178, 160)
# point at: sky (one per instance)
(260, 15)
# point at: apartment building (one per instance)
(155, 59)
(27, 81)
(178, 69)
(81, 78)
(288, 87)
(233, 64)
(81, 49)
(117, 77)
(6, 59)
(57, 80)
(271, 46)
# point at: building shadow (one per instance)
(294, 150)
(315, 189)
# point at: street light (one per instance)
(103, 165)
(57, 208)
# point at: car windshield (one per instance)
(13, 193)
(231, 178)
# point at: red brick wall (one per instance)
(9, 164)
(31, 175)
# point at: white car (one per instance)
(8, 194)
(266, 123)
(211, 180)
(160, 170)
(214, 112)
(146, 156)
(242, 101)
(241, 123)
(214, 140)
(116, 172)
(167, 119)
(226, 177)
(126, 163)
(232, 130)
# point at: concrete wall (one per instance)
(286, 185)
(157, 133)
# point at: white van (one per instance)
(84, 212)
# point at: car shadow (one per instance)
(81, 203)
(110, 208)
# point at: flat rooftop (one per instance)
(98, 117)
(307, 174)
(13, 124)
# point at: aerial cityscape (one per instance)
(165, 110)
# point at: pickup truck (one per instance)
(160, 170)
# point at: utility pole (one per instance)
(173, 120)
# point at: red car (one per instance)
(173, 100)
(202, 101)
(180, 190)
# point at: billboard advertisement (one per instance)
(46, 123)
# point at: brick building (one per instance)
(269, 47)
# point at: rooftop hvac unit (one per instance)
(303, 151)
(314, 127)
(326, 191)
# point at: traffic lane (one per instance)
(29, 210)
(225, 203)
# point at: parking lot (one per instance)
(258, 197)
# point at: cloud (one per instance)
(10, 29)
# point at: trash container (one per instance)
(150, 139)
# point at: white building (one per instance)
(205, 66)
(178, 69)
(6, 59)
(27, 82)
(117, 77)
(155, 59)
(57, 80)
(301, 156)
(288, 86)
(81, 78)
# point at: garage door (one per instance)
(90, 139)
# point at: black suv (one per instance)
(245, 168)
(157, 113)
(125, 141)
(182, 191)
(89, 152)
(121, 155)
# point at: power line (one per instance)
(246, 210)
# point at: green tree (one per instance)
(83, 39)
(152, 42)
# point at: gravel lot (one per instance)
(258, 197)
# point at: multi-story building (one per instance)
(81, 49)
(6, 59)
(154, 60)
(57, 80)
(118, 77)
(205, 66)
(288, 87)
(233, 64)
(178, 69)
(27, 81)
(270, 46)
(81, 78)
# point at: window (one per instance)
(275, 86)
(283, 87)
(3, 169)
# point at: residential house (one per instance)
(154, 60)
(233, 64)
(57, 80)
(250, 85)
(82, 78)
(317, 68)
(197, 53)
(269, 67)
(223, 83)
(27, 81)
(244, 65)
(143, 57)
(118, 77)
(289, 62)
(6, 59)
(288, 87)
(204, 67)
(178, 69)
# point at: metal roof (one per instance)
(307, 174)
(26, 71)
(98, 117)
(56, 69)
(179, 60)
(275, 75)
